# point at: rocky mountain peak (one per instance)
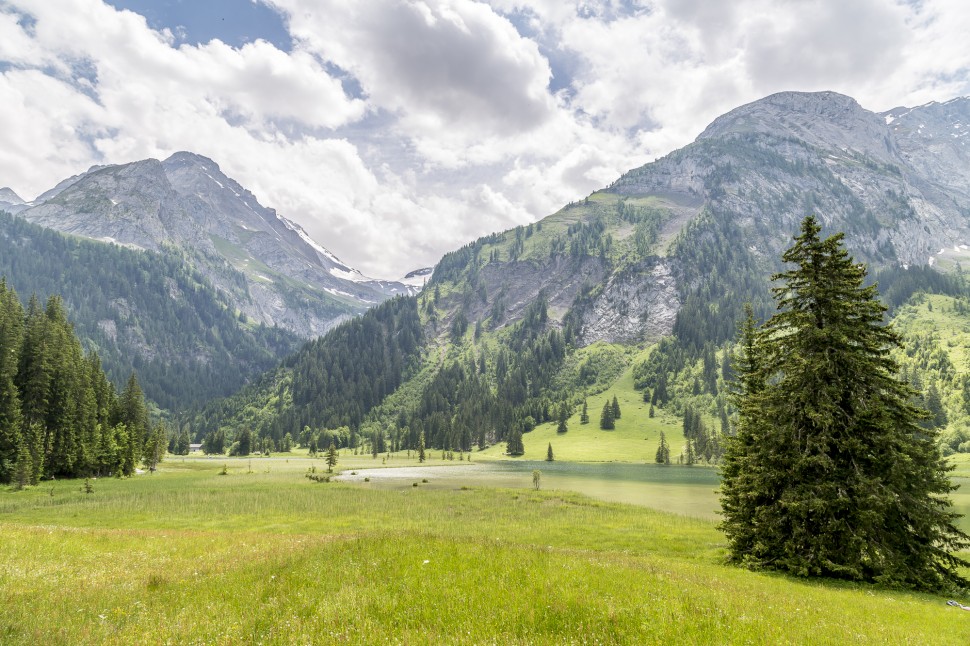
(269, 267)
(10, 201)
(8, 196)
(828, 120)
(934, 138)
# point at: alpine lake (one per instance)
(685, 490)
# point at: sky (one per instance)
(394, 131)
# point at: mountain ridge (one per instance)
(271, 269)
(516, 323)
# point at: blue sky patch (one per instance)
(234, 22)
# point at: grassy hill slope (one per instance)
(635, 438)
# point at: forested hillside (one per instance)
(142, 311)
(663, 259)
(331, 383)
(59, 414)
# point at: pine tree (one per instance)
(563, 416)
(331, 457)
(11, 340)
(133, 413)
(421, 455)
(829, 473)
(513, 445)
(584, 416)
(606, 418)
(937, 417)
(615, 408)
(155, 447)
(182, 442)
(663, 451)
(549, 456)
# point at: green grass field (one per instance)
(635, 438)
(263, 555)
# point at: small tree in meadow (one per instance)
(514, 444)
(615, 408)
(549, 457)
(562, 426)
(331, 457)
(421, 447)
(690, 455)
(663, 451)
(606, 418)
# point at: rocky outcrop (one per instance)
(638, 305)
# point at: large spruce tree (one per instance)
(830, 473)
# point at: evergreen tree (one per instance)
(615, 408)
(606, 418)
(514, 444)
(133, 413)
(937, 417)
(584, 416)
(12, 442)
(214, 443)
(829, 473)
(155, 447)
(421, 455)
(243, 444)
(563, 416)
(23, 464)
(549, 456)
(663, 451)
(690, 455)
(181, 444)
(331, 457)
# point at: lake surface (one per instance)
(682, 490)
(689, 491)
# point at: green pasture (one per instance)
(635, 438)
(264, 555)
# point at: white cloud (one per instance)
(449, 129)
(440, 64)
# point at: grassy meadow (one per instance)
(264, 555)
(635, 438)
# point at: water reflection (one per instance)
(682, 490)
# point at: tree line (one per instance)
(146, 312)
(59, 414)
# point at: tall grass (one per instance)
(189, 556)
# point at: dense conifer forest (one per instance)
(331, 382)
(143, 311)
(59, 413)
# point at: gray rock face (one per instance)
(897, 183)
(269, 267)
(636, 306)
(934, 140)
(517, 284)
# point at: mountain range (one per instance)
(510, 329)
(517, 326)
